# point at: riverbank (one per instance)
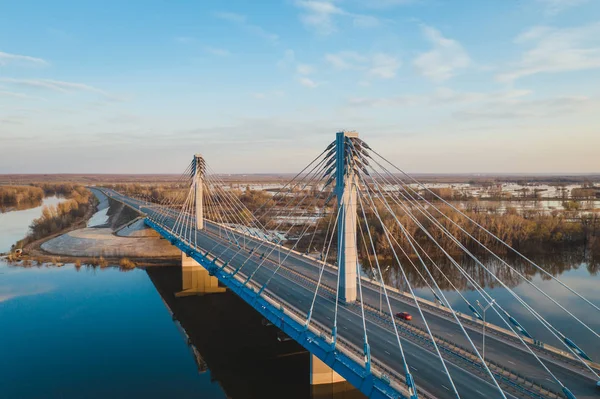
(109, 234)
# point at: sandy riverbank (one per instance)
(113, 232)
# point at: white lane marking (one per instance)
(414, 368)
(446, 387)
(387, 352)
(328, 318)
(345, 328)
(479, 392)
(511, 362)
(390, 342)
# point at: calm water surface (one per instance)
(68, 333)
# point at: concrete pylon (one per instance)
(199, 170)
(346, 193)
(196, 280)
(321, 374)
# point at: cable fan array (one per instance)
(290, 235)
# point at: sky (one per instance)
(436, 86)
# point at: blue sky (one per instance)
(436, 85)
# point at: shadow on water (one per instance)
(244, 355)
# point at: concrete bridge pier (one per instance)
(321, 374)
(196, 280)
(346, 192)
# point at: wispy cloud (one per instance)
(221, 52)
(443, 96)
(554, 50)
(554, 7)
(185, 39)
(444, 60)
(384, 66)
(385, 3)
(305, 69)
(319, 15)
(268, 95)
(346, 60)
(378, 65)
(288, 59)
(55, 85)
(532, 109)
(242, 22)
(4, 93)
(6, 58)
(308, 82)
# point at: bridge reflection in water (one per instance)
(243, 355)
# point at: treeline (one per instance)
(157, 193)
(18, 195)
(61, 189)
(516, 230)
(61, 216)
(34, 193)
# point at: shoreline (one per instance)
(35, 255)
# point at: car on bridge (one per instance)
(404, 316)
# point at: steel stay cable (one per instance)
(168, 201)
(409, 379)
(542, 320)
(322, 268)
(490, 300)
(387, 234)
(491, 234)
(290, 250)
(281, 222)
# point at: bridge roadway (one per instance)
(295, 284)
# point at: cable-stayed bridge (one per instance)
(309, 260)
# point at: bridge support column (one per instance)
(196, 280)
(346, 186)
(321, 374)
(199, 170)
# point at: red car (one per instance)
(404, 316)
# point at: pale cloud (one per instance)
(185, 39)
(6, 58)
(4, 93)
(307, 82)
(384, 3)
(221, 52)
(553, 50)
(379, 65)
(319, 16)
(288, 59)
(555, 107)
(554, 7)
(384, 66)
(444, 60)
(346, 60)
(242, 21)
(443, 96)
(305, 69)
(268, 95)
(55, 85)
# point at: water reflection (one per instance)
(230, 338)
(571, 267)
(14, 225)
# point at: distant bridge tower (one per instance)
(199, 169)
(346, 193)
